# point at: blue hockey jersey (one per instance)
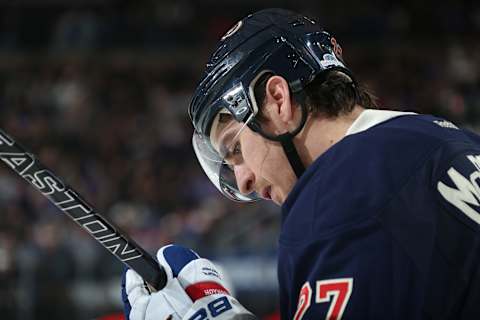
(385, 224)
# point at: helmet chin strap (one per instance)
(291, 152)
(286, 140)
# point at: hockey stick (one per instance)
(73, 205)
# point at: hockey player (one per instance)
(380, 209)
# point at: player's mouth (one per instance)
(266, 193)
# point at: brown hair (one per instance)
(331, 95)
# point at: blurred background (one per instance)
(98, 89)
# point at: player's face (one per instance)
(259, 164)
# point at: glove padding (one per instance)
(140, 304)
(194, 290)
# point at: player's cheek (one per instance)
(253, 152)
(276, 170)
(263, 160)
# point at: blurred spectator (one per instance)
(8, 275)
(46, 271)
(76, 30)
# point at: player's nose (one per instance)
(245, 179)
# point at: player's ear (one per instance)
(278, 106)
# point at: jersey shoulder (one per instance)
(352, 182)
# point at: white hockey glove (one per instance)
(194, 291)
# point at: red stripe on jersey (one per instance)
(203, 289)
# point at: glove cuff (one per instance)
(202, 289)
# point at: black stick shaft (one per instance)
(73, 205)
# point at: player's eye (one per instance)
(237, 150)
(234, 154)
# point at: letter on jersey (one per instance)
(464, 194)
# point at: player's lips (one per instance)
(266, 193)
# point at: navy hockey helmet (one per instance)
(276, 41)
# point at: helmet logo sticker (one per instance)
(329, 59)
(232, 30)
(240, 111)
(336, 47)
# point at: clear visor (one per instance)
(218, 156)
